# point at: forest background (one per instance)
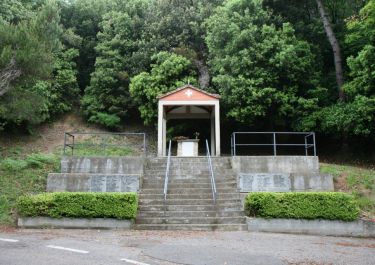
(279, 65)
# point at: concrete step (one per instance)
(169, 201)
(218, 213)
(185, 207)
(187, 181)
(205, 166)
(188, 175)
(190, 159)
(206, 180)
(202, 195)
(161, 177)
(196, 185)
(183, 190)
(191, 220)
(193, 227)
(196, 172)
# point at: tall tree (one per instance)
(179, 26)
(39, 74)
(259, 69)
(355, 116)
(107, 98)
(168, 72)
(84, 17)
(335, 48)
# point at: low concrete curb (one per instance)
(359, 228)
(82, 223)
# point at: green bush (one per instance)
(105, 119)
(10, 164)
(302, 205)
(35, 160)
(79, 205)
(38, 160)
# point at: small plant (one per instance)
(196, 135)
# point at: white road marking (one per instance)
(68, 249)
(9, 240)
(135, 262)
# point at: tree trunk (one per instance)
(204, 75)
(7, 75)
(335, 47)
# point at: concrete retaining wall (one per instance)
(83, 223)
(97, 174)
(102, 165)
(280, 174)
(311, 182)
(93, 182)
(313, 227)
(276, 164)
(282, 182)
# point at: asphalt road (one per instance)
(94, 247)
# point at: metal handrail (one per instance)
(71, 146)
(306, 135)
(211, 170)
(167, 172)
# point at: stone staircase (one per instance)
(189, 204)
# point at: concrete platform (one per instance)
(81, 223)
(359, 228)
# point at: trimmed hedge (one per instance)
(302, 205)
(79, 205)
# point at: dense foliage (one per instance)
(259, 69)
(272, 61)
(302, 205)
(79, 205)
(167, 73)
(38, 74)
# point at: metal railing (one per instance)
(307, 136)
(166, 179)
(212, 176)
(100, 142)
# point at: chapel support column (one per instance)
(160, 129)
(212, 120)
(217, 128)
(164, 135)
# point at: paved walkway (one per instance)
(94, 247)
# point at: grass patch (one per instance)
(4, 211)
(302, 205)
(92, 149)
(358, 181)
(80, 205)
(20, 176)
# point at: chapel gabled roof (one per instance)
(216, 96)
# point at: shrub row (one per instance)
(302, 205)
(79, 205)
